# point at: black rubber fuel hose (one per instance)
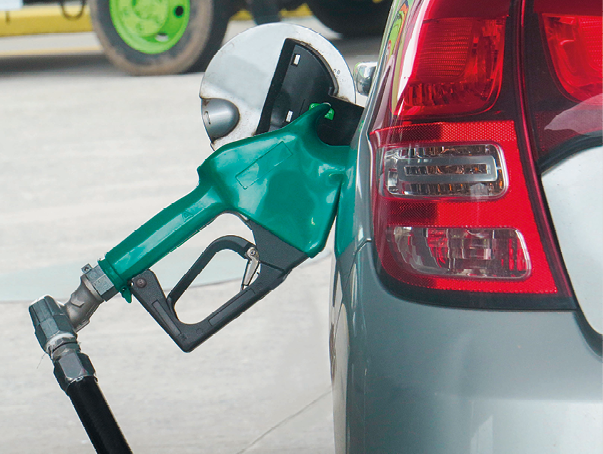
(96, 417)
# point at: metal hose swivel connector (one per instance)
(75, 374)
(57, 337)
(56, 324)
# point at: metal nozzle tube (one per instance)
(82, 303)
(95, 287)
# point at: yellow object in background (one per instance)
(302, 11)
(44, 19)
(50, 19)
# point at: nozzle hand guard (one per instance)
(274, 257)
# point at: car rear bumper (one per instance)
(414, 378)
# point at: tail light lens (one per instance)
(455, 205)
(444, 171)
(462, 252)
(494, 209)
(563, 75)
(574, 45)
(458, 68)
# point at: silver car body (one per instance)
(417, 378)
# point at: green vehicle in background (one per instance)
(154, 37)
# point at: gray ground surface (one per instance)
(86, 155)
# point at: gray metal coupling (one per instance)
(95, 287)
(100, 282)
(51, 324)
(57, 337)
(71, 365)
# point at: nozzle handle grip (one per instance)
(277, 260)
(166, 231)
(189, 336)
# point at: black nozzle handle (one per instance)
(189, 336)
(276, 260)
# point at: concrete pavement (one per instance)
(261, 385)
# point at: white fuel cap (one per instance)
(266, 77)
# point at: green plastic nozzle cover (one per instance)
(288, 181)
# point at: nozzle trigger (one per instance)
(251, 268)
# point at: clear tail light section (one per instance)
(462, 252)
(445, 170)
(458, 215)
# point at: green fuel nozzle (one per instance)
(284, 184)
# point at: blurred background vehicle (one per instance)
(466, 313)
(153, 37)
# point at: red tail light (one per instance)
(574, 44)
(458, 207)
(458, 67)
(563, 45)
(455, 204)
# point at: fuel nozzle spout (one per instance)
(95, 287)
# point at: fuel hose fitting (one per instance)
(95, 287)
(76, 376)
(57, 338)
